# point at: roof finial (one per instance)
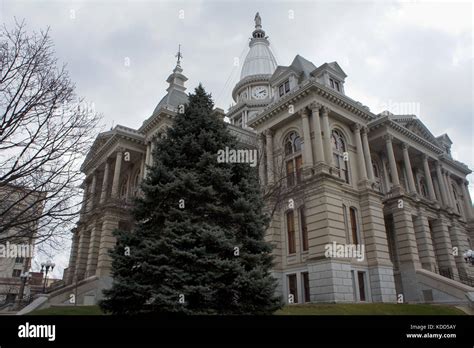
(258, 21)
(179, 56)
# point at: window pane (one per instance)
(293, 287)
(287, 86)
(304, 229)
(290, 176)
(355, 240)
(299, 164)
(360, 276)
(280, 90)
(290, 223)
(305, 279)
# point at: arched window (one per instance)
(340, 154)
(293, 158)
(422, 185)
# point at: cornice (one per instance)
(312, 86)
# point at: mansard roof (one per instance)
(332, 67)
(300, 66)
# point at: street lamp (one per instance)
(46, 266)
(25, 277)
(469, 256)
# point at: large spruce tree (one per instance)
(197, 245)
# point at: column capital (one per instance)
(405, 146)
(325, 110)
(304, 113)
(465, 182)
(357, 127)
(268, 132)
(388, 138)
(315, 106)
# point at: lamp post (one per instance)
(46, 266)
(25, 277)
(469, 256)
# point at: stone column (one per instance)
(408, 169)
(148, 154)
(467, 199)
(442, 184)
(81, 261)
(85, 198)
(107, 242)
(93, 252)
(443, 246)
(270, 167)
(91, 200)
(407, 249)
(360, 153)
(261, 159)
(367, 156)
(105, 182)
(327, 137)
(73, 257)
(391, 160)
(318, 139)
(449, 189)
(308, 151)
(116, 180)
(152, 149)
(424, 242)
(429, 180)
(385, 174)
(143, 166)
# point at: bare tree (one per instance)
(45, 131)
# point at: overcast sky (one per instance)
(393, 52)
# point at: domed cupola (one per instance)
(252, 93)
(260, 59)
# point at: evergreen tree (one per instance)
(197, 246)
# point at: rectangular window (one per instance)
(290, 176)
(346, 224)
(331, 81)
(353, 218)
(304, 229)
(281, 90)
(337, 86)
(299, 164)
(361, 279)
(284, 88)
(305, 280)
(19, 260)
(290, 223)
(16, 273)
(293, 287)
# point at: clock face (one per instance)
(260, 92)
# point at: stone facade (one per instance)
(343, 174)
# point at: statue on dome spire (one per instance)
(258, 21)
(179, 56)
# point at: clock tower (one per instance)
(252, 93)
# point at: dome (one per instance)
(260, 59)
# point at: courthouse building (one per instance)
(383, 182)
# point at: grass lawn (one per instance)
(69, 310)
(369, 309)
(308, 309)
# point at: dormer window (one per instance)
(335, 85)
(284, 88)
